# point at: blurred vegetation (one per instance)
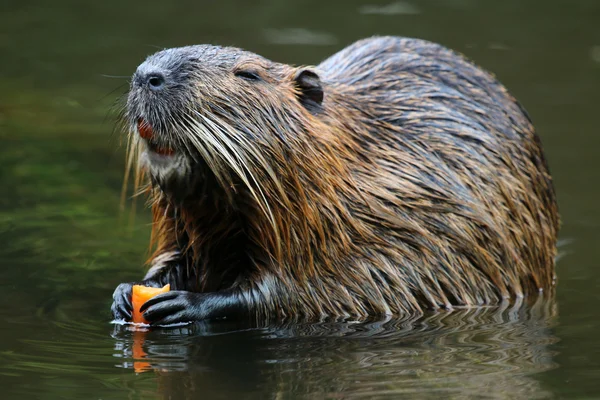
(60, 213)
(65, 242)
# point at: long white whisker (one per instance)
(203, 141)
(242, 170)
(257, 159)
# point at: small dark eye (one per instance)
(248, 75)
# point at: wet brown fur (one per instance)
(418, 183)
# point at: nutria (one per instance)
(394, 177)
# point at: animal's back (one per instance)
(453, 171)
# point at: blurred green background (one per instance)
(65, 242)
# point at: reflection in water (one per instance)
(478, 352)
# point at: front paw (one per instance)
(173, 307)
(121, 307)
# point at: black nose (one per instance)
(155, 81)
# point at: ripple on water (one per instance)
(487, 353)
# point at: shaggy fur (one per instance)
(394, 177)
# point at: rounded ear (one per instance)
(311, 91)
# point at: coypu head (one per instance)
(234, 143)
(208, 113)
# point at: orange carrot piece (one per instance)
(139, 295)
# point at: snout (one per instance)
(150, 103)
(149, 77)
(160, 93)
(153, 96)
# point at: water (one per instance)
(66, 244)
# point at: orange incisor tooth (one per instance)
(144, 129)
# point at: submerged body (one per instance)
(394, 177)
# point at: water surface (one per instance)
(66, 244)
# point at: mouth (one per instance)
(147, 133)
